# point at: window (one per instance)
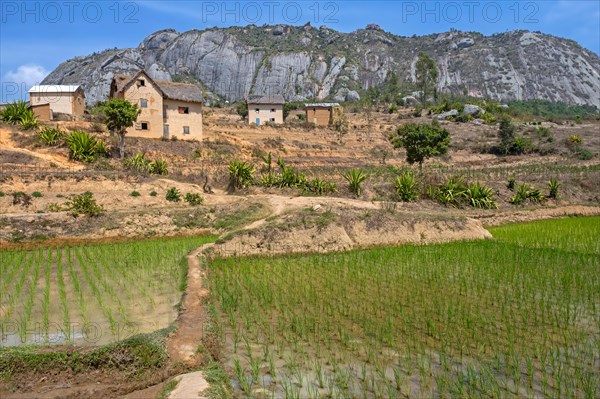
(143, 126)
(186, 130)
(184, 110)
(272, 109)
(272, 119)
(141, 82)
(257, 110)
(143, 103)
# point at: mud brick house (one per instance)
(322, 114)
(264, 109)
(48, 101)
(168, 109)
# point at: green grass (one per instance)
(513, 317)
(92, 294)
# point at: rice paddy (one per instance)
(93, 294)
(518, 316)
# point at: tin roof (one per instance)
(328, 105)
(54, 89)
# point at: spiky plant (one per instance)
(355, 177)
(241, 175)
(407, 186)
(480, 196)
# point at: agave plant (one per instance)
(29, 120)
(241, 175)
(355, 177)
(289, 177)
(553, 187)
(319, 186)
(84, 147)
(138, 163)
(480, 196)
(407, 186)
(520, 196)
(50, 136)
(13, 113)
(159, 167)
(451, 193)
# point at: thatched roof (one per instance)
(175, 91)
(180, 91)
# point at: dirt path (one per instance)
(182, 345)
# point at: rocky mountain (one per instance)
(304, 62)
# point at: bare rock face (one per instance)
(306, 63)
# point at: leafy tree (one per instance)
(120, 114)
(242, 109)
(427, 74)
(287, 108)
(506, 132)
(421, 141)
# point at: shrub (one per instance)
(84, 204)
(407, 186)
(84, 147)
(134, 194)
(153, 193)
(54, 207)
(553, 187)
(574, 140)
(20, 198)
(511, 184)
(2, 194)
(193, 199)
(50, 136)
(319, 186)
(241, 175)
(520, 145)
(37, 194)
(268, 179)
(393, 108)
(173, 195)
(585, 154)
(355, 177)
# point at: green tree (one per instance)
(506, 132)
(120, 114)
(242, 109)
(421, 141)
(427, 74)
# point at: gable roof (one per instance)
(171, 90)
(180, 91)
(54, 88)
(268, 99)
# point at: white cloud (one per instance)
(26, 75)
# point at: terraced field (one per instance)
(517, 316)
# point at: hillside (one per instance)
(307, 62)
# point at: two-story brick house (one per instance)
(168, 109)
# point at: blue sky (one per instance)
(36, 36)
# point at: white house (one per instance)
(45, 100)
